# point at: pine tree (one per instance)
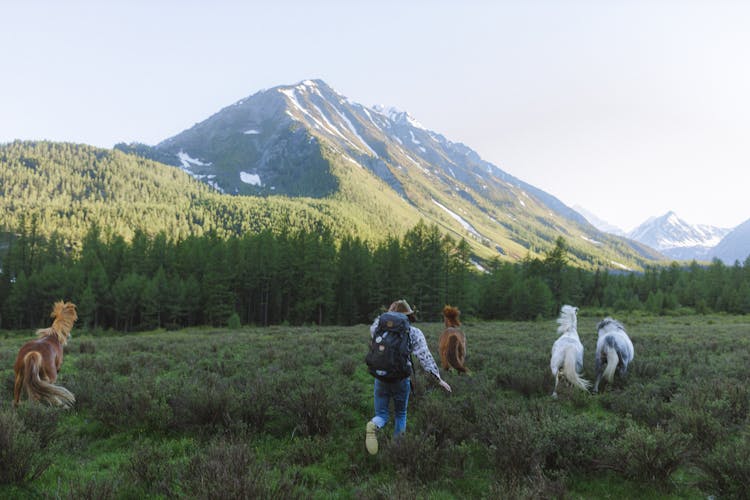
(126, 293)
(218, 299)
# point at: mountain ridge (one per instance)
(734, 246)
(308, 140)
(677, 238)
(599, 223)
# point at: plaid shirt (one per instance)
(419, 348)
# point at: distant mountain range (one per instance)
(680, 240)
(306, 140)
(677, 239)
(304, 156)
(598, 223)
(735, 246)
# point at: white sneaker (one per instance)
(371, 439)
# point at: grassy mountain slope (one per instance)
(70, 187)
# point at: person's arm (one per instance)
(422, 351)
(374, 326)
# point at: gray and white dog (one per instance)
(614, 351)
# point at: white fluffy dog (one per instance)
(613, 349)
(567, 351)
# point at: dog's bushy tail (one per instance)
(39, 389)
(612, 360)
(455, 353)
(569, 369)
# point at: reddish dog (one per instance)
(452, 342)
(39, 360)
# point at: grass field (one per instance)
(280, 412)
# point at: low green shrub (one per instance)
(526, 382)
(649, 455)
(698, 423)
(86, 347)
(88, 489)
(446, 418)
(130, 403)
(150, 470)
(534, 485)
(228, 469)
(310, 409)
(726, 469)
(40, 419)
(348, 366)
(574, 443)
(254, 401)
(416, 455)
(20, 457)
(199, 402)
(399, 487)
(645, 404)
(306, 450)
(513, 443)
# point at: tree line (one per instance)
(310, 277)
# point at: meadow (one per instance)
(280, 412)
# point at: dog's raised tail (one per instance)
(39, 389)
(612, 360)
(569, 369)
(454, 355)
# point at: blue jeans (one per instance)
(399, 392)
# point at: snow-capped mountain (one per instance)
(598, 223)
(271, 143)
(735, 246)
(308, 141)
(678, 239)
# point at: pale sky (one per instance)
(627, 108)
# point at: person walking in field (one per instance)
(393, 341)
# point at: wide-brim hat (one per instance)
(402, 306)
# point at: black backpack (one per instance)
(389, 358)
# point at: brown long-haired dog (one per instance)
(452, 342)
(39, 360)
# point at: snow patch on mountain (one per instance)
(249, 178)
(590, 240)
(397, 116)
(187, 161)
(320, 119)
(356, 134)
(460, 219)
(292, 96)
(209, 179)
(620, 265)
